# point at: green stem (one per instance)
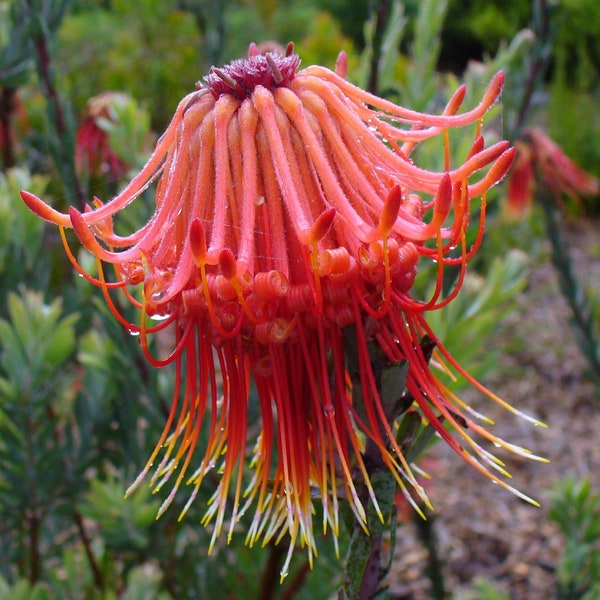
(62, 143)
(434, 567)
(569, 286)
(7, 102)
(365, 570)
(381, 13)
(270, 574)
(210, 19)
(371, 581)
(33, 524)
(541, 56)
(297, 582)
(32, 516)
(96, 571)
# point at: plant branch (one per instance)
(97, 573)
(270, 574)
(7, 100)
(434, 567)
(33, 523)
(372, 577)
(365, 569)
(380, 14)
(539, 62)
(63, 144)
(297, 582)
(569, 286)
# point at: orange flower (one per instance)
(287, 212)
(14, 126)
(521, 182)
(93, 153)
(535, 150)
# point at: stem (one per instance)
(97, 573)
(7, 100)
(572, 292)
(169, 565)
(372, 576)
(297, 581)
(381, 14)
(211, 23)
(365, 570)
(43, 56)
(63, 145)
(269, 584)
(434, 568)
(270, 575)
(33, 523)
(32, 512)
(539, 63)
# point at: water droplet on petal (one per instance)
(157, 317)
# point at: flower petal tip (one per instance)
(43, 210)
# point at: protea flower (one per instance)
(14, 125)
(94, 155)
(539, 157)
(288, 213)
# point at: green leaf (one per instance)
(23, 590)
(124, 523)
(358, 557)
(393, 382)
(143, 583)
(36, 340)
(19, 226)
(576, 509)
(424, 437)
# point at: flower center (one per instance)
(240, 77)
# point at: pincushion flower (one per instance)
(288, 212)
(539, 158)
(94, 155)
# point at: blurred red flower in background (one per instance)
(94, 155)
(540, 159)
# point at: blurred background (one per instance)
(87, 86)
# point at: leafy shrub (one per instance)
(575, 507)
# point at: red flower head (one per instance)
(14, 125)
(538, 156)
(93, 153)
(288, 212)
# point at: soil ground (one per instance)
(483, 531)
